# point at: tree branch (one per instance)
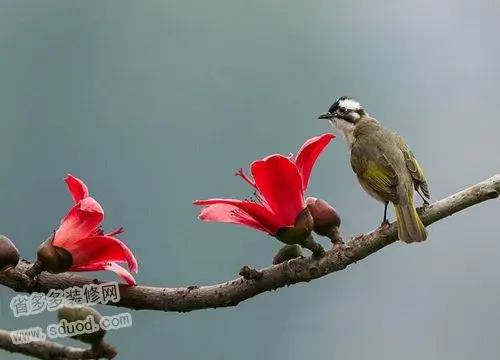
(294, 271)
(48, 350)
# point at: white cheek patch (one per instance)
(344, 127)
(349, 104)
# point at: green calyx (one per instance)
(298, 233)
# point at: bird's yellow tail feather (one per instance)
(410, 227)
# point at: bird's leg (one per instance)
(385, 222)
(423, 198)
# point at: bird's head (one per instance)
(344, 113)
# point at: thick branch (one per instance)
(48, 350)
(294, 271)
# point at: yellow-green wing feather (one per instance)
(414, 168)
(376, 172)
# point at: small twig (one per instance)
(316, 248)
(17, 275)
(335, 237)
(49, 350)
(34, 270)
(104, 350)
(249, 273)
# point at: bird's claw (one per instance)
(421, 209)
(385, 224)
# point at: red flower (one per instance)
(279, 184)
(80, 234)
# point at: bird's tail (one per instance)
(410, 227)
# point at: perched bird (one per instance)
(385, 166)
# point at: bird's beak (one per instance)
(326, 115)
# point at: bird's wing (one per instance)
(375, 170)
(413, 167)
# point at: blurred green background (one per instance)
(156, 103)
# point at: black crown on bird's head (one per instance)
(345, 104)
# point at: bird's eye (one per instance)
(343, 109)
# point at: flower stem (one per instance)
(316, 248)
(335, 237)
(287, 252)
(35, 269)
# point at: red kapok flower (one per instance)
(279, 183)
(80, 235)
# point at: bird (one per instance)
(385, 166)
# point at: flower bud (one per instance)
(287, 252)
(9, 255)
(53, 258)
(326, 219)
(81, 314)
(298, 233)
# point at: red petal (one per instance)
(230, 214)
(81, 221)
(121, 272)
(308, 154)
(99, 249)
(110, 266)
(279, 182)
(240, 212)
(76, 187)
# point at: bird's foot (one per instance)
(421, 209)
(385, 224)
